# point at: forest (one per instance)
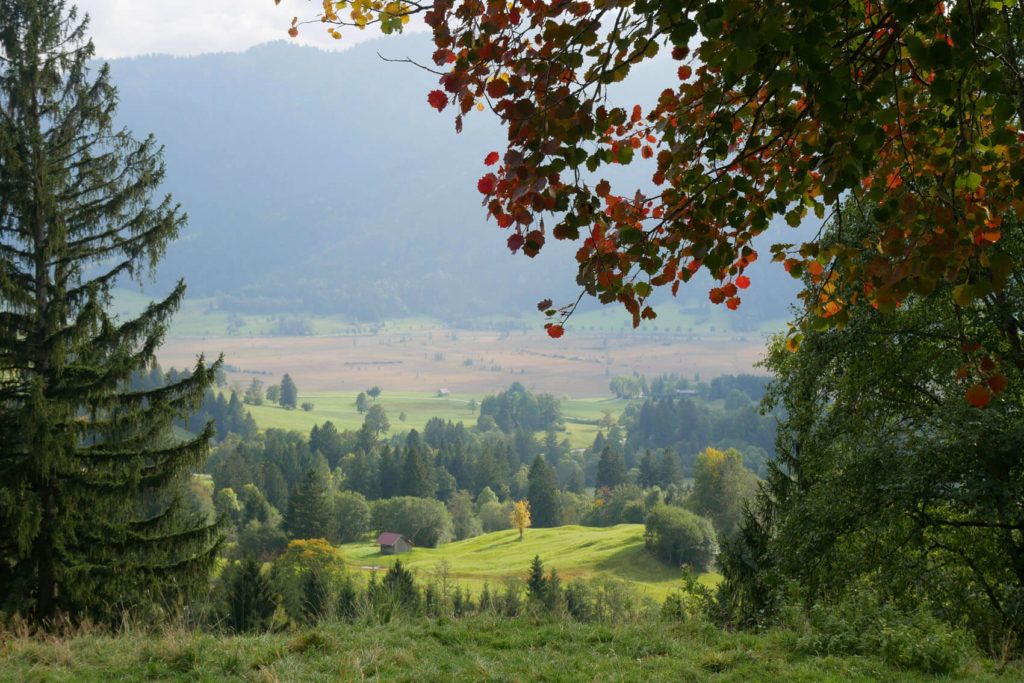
(855, 509)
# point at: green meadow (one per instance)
(419, 408)
(575, 551)
(474, 648)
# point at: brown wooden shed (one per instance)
(392, 543)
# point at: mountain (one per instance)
(322, 182)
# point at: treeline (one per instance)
(451, 482)
(309, 584)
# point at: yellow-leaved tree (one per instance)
(520, 516)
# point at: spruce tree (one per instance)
(545, 505)
(611, 469)
(250, 598)
(91, 520)
(310, 508)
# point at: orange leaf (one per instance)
(555, 331)
(815, 268)
(743, 282)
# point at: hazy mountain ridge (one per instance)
(324, 183)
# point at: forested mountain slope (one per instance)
(323, 182)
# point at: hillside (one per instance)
(322, 183)
(575, 551)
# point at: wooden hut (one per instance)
(392, 543)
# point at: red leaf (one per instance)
(544, 305)
(733, 303)
(504, 220)
(716, 295)
(437, 99)
(497, 88)
(743, 282)
(515, 242)
(997, 383)
(487, 183)
(555, 331)
(491, 159)
(978, 396)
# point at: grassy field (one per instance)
(575, 551)
(340, 408)
(481, 648)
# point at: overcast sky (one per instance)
(122, 28)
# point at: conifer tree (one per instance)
(611, 469)
(250, 598)
(310, 508)
(91, 520)
(545, 505)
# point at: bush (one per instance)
(681, 537)
(861, 625)
(307, 406)
(351, 516)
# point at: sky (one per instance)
(125, 28)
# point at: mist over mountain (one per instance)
(323, 183)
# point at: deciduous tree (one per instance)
(289, 392)
(520, 516)
(774, 112)
(883, 474)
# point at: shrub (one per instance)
(681, 537)
(862, 625)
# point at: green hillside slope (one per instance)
(575, 551)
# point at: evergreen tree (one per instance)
(669, 470)
(398, 585)
(611, 469)
(91, 512)
(310, 508)
(416, 479)
(576, 483)
(536, 585)
(250, 599)
(545, 504)
(289, 392)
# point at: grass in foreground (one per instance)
(480, 648)
(575, 551)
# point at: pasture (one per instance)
(575, 551)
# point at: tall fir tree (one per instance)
(91, 516)
(611, 469)
(310, 508)
(545, 505)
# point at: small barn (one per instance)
(392, 544)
